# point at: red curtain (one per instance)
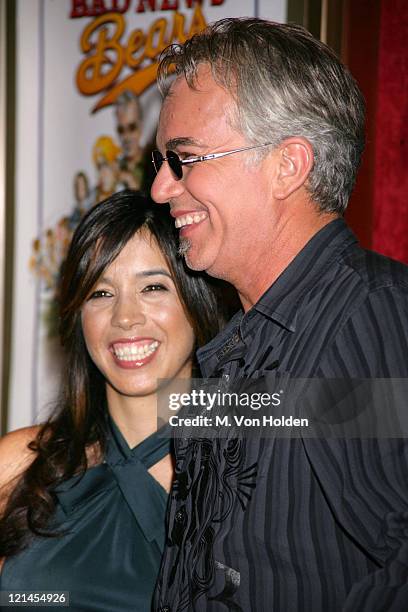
(376, 51)
(390, 227)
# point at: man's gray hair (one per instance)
(285, 83)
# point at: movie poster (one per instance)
(87, 109)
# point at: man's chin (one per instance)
(199, 264)
(184, 246)
(186, 250)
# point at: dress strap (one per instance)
(149, 451)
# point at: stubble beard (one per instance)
(183, 250)
(184, 246)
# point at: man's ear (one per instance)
(294, 161)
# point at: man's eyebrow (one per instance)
(173, 143)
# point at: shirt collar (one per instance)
(280, 302)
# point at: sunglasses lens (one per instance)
(175, 164)
(157, 159)
(130, 127)
(172, 159)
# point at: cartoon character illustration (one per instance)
(105, 156)
(128, 113)
(117, 167)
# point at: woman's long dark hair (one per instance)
(78, 422)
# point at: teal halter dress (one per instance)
(113, 524)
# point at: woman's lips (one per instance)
(134, 353)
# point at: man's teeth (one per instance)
(134, 352)
(190, 219)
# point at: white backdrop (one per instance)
(56, 131)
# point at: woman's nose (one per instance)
(128, 313)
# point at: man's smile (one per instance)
(190, 219)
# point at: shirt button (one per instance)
(165, 609)
(178, 517)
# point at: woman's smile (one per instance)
(135, 352)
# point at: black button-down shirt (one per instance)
(284, 525)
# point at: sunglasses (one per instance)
(130, 127)
(176, 163)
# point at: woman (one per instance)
(84, 495)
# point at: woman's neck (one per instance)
(136, 417)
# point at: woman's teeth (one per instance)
(134, 352)
(190, 219)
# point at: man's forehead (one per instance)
(191, 112)
(202, 78)
(202, 86)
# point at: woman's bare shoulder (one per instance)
(15, 456)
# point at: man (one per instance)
(128, 118)
(260, 138)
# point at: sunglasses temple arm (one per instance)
(218, 155)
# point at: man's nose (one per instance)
(165, 186)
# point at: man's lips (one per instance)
(133, 352)
(186, 218)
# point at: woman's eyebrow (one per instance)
(104, 279)
(154, 272)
